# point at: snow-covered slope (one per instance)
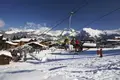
(65, 67)
(93, 32)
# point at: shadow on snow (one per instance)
(57, 68)
(20, 71)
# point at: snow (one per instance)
(25, 39)
(41, 30)
(16, 41)
(69, 32)
(4, 38)
(56, 33)
(62, 64)
(117, 37)
(9, 42)
(117, 40)
(85, 66)
(44, 59)
(97, 33)
(38, 43)
(1, 34)
(109, 32)
(90, 44)
(13, 30)
(7, 53)
(93, 32)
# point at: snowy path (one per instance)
(65, 67)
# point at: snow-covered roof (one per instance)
(7, 53)
(113, 40)
(117, 37)
(4, 38)
(9, 42)
(23, 39)
(1, 34)
(90, 44)
(38, 44)
(16, 40)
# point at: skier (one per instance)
(73, 42)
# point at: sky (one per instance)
(16, 13)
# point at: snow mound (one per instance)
(44, 59)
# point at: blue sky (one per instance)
(16, 13)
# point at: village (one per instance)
(16, 48)
(59, 40)
(46, 60)
(19, 48)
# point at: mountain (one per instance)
(88, 33)
(47, 33)
(39, 33)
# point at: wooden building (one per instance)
(117, 37)
(37, 45)
(10, 44)
(5, 57)
(23, 41)
(2, 42)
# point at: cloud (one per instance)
(2, 23)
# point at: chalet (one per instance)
(10, 44)
(5, 57)
(2, 42)
(90, 43)
(113, 40)
(23, 41)
(37, 45)
(1, 36)
(116, 40)
(45, 43)
(110, 42)
(117, 37)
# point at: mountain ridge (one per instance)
(88, 32)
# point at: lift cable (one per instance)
(61, 21)
(102, 17)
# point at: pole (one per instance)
(70, 18)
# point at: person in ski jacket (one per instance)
(66, 43)
(73, 42)
(77, 45)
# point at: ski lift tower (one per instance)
(69, 23)
(70, 19)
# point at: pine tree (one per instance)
(14, 38)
